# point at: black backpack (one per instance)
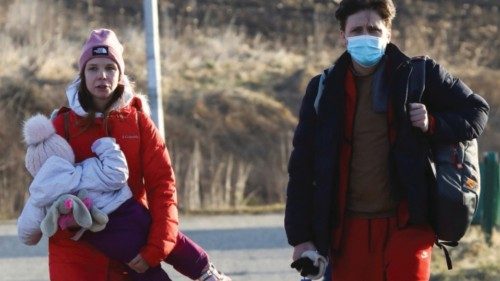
(455, 194)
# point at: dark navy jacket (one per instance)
(312, 209)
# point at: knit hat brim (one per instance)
(102, 43)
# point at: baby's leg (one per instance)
(125, 234)
(188, 258)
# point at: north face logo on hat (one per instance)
(100, 51)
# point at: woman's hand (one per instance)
(138, 264)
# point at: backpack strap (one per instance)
(416, 85)
(442, 245)
(64, 111)
(321, 87)
(66, 125)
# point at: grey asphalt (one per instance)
(246, 247)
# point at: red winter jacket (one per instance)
(151, 180)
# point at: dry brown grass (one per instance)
(233, 95)
(473, 259)
(232, 98)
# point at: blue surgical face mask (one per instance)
(366, 50)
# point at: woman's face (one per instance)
(101, 79)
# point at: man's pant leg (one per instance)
(361, 256)
(408, 254)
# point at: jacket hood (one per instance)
(128, 98)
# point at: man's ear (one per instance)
(343, 39)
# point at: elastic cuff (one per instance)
(151, 259)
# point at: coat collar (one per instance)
(396, 58)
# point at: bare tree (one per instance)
(228, 181)
(241, 181)
(192, 180)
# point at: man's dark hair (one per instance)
(385, 8)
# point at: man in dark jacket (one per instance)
(359, 176)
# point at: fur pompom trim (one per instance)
(37, 129)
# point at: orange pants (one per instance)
(377, 250)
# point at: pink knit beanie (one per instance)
(102, 43)
(43, 142)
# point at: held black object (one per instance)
(305, 267)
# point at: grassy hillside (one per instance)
(234, 73)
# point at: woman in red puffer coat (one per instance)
(102, 103)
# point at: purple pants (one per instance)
(127, 232)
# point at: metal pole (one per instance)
(153, 61)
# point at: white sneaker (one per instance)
(212, 274)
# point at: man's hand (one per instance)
(301, 248)
(418, 116)
(306, 267)
(138, 264)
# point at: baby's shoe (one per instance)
(212, 274)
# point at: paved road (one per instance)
(246, 247)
